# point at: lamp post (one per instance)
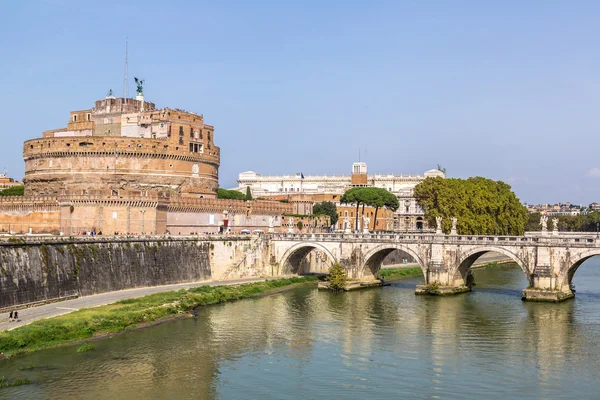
(597, 226)
(143, 212)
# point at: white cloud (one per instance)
(593, 172)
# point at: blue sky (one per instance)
(508, 90)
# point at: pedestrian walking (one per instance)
(10, 316)
(16, 316)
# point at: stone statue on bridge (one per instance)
(555, 226)
(544, 223)
(438, 222)
(271, 224)
(453, 231)
(291, 225)
(347, 224)
(366, 221)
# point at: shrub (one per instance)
(337, 277)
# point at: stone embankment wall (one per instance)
(42, 271)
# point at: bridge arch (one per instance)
(467, 258)
(292, 259)
(374, 257)
(566, 279)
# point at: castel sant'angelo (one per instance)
(125, 166)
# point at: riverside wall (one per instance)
(44, 270)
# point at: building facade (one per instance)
(409, 215)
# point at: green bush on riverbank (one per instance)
(127, 314)
(395, 273)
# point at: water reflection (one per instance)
(379, 343)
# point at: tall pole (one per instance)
(116, 157)
(125, 94)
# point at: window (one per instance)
(208, 136)
(200, 133)
(181, 131)
(191, 147)
(191, 132)
(89, 116)
(74, 118)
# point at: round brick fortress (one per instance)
(81, 164)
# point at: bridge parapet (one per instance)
(560, 240)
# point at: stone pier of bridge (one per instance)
(548, 261)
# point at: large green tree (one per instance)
(354, 196)
(377, 198)
(482, 206)
(13, 191)
(371, 197)
(230, 194)
(326, 208)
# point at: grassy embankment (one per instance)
(129, 314)
(398, 273)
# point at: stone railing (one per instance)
(35, 200)
(557, 240)
(12, 240)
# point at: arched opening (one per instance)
(394, 255)
(586, 281)
(307, 259)
(492, 268)
(419, 223)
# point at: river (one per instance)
(382, 343)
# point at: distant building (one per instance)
(6, 182)
(409, 215)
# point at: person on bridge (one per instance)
(10, 317)
(16, 316)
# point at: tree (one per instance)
(230, 194)
(482, 206)
(13, 191)
(248, 193)
(300, 225)
(326, 208)
(337, 277)
(354, 196)
(377, 198)
(569, 223)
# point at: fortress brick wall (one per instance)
(59, 166)
(21, 214)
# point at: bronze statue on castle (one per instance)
(139, 83)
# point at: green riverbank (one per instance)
(398, 273)
(130, 314)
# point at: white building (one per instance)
(409, 215)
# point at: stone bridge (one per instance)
(548, 260)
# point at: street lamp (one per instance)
(143, 212)
(597, 226)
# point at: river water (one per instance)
(382, 343)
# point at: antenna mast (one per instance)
(125, 94)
